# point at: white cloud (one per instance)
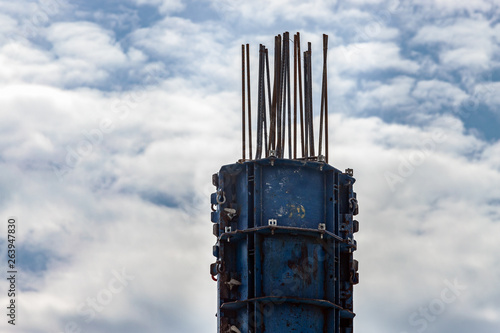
(363, 57)
(269, 12)
(85, 41)
(80, 53)
(465, 43)
(7, 25)
(191, 49)
(491, 155)
(486, 92)
(394, 94)
(164, 6)
(460, 5)
(435, 94)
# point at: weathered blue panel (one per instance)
(284, 250)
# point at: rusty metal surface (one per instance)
(285, 246)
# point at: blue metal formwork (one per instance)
(284, 247)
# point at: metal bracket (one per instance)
(353, 205)
(215, 179)
(233, 283)
(273, 222)
(322, 227)
(230, 212)
(227, 229)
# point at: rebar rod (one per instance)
(311, 118)
(243, 113)
(295, 96)
(301, 102)
(249, 105)
(260, 102)
(270, 102)
(288, 95)
(325, 51)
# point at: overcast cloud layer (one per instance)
(115, 114)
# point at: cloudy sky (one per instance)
(115, 114)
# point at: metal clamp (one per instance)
(219, 268)
(353, 204)
(234, 329)
(219, 194)
(231, 212)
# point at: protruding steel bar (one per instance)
(301, 102)
(279, 106)
(249, 105)
(272, 130)
(325, 59)
(306, 106)
(288, 96)
(261, 103)
(295, 96)
(311, 119)
(269, 99)
(283, 100)
(284, 93)
(321, 110)
(243, 113)
(280, 102)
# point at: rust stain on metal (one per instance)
(302, 265)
